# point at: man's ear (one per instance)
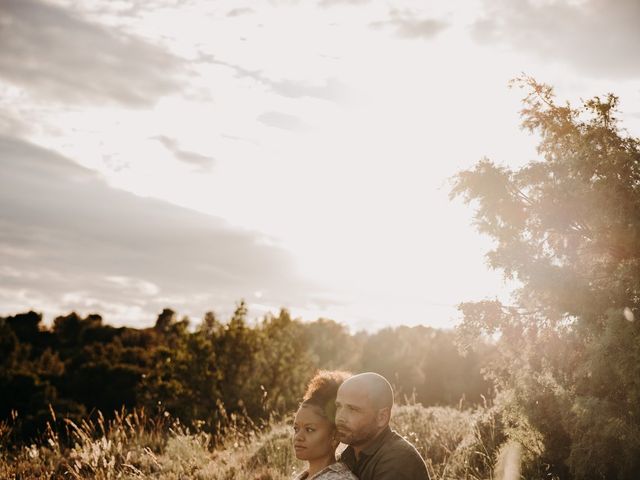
(383, 416)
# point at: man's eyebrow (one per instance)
(349, 405)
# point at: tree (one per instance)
(332, 347)
(425, 365)
(283, 363)
(567, 228)
(165, 319)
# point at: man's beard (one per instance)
(350, 437)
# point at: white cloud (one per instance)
(597, 37)
(202, 161)
(283, 121)
(136, 285)
(69, 239)
(91, 65)
(409, 24)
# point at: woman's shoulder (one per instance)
(336, 471)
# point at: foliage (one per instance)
(424, 363)
(283, 363)
(214, 375)
(567, 229)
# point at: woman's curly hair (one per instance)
(322, 390)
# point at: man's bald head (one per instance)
(376, 386)
(363, 406)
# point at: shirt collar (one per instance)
(349, 455)
(377, 442)
(334, 467)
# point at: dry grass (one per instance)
(456, 444)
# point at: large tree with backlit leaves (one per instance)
(567, 230)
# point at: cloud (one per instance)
(57, 55)
(192, 158)
(236, 12)
(331, 3)
(282, 121)
(68, 240)
(597, 37)
(406, 25)
(11, 124)
(330, 89)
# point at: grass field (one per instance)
(457, 444)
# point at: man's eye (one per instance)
(309, 430)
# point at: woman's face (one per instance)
(313, 435)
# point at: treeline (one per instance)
(206, 373)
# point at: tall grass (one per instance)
(456, 444)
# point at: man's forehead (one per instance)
(354, 393)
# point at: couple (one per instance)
(354, 410)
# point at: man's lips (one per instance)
(299, 447)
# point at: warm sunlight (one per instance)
(328, 133)
(320, 239)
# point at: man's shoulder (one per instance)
(398, 444)
(397, 458)
(399, 451)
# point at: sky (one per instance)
(188, 154)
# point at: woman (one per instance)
(314, 429)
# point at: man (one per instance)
(374, 452)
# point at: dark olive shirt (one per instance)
(389, 457)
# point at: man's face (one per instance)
(356, 416)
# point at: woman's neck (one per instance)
(318, 464)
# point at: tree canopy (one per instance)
(566, 228)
